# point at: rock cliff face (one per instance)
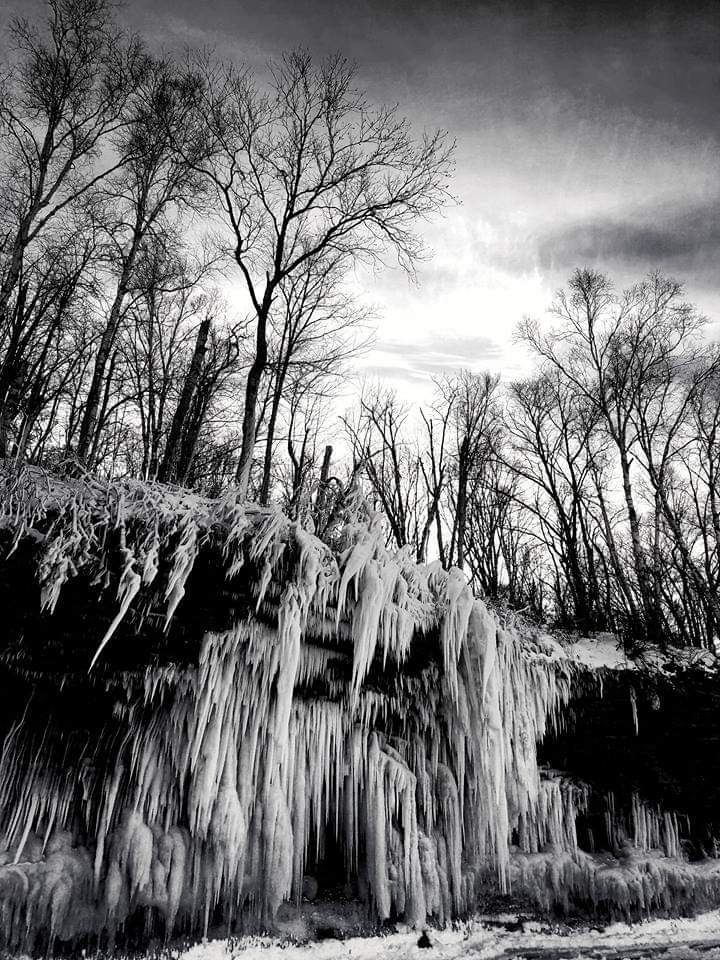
(655, 733)
(203, 703)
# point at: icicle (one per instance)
(277, 840)
(299, 816)
(183, 561)
(376, 835)
(459, 605)
(289, 639)
(128, 589)
(633, 707)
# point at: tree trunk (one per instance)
(252, 389)
(462, 501)
(612, 549)
(321, 498)
(652, 623)
(270, 439)
(102, 410)
(190, 438)
(169, 467)
(88, 426)
(702, 588)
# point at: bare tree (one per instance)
(177, 353)
(35, 354)
(381, 451)
(405, 463)
(504, 556)
(551, 451)
(604, 349)
(215, 361)
(668, 388)
(633, 360)
(307, 414)
(470, 401)
(309, 168)
(62, 99)
(316, 329)
(133, 206)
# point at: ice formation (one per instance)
(355, 700)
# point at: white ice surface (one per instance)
(473, 941)
(598, 652)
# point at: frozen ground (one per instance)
(603, 651)
(686, 939)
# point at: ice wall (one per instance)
(357, 698)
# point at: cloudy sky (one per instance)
(588, 133)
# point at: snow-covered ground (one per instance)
(684, 939)
(604, 651)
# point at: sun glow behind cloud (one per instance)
(462, 312)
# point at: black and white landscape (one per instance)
(359, 498)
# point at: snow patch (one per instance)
(474, 941)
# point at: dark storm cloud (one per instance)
(652, 59)
(677, 238)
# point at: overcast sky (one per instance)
(587, 134)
